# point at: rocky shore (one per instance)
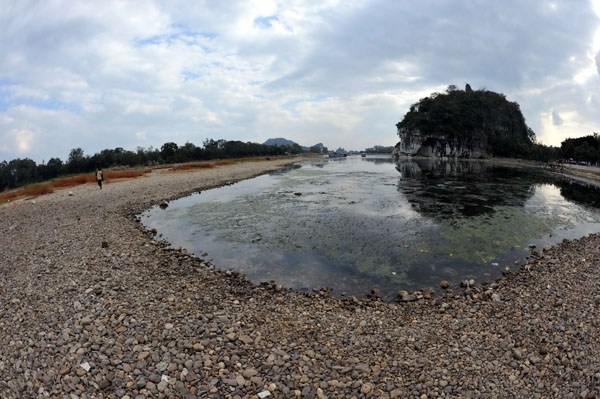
(92, 307)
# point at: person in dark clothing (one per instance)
(99, 177)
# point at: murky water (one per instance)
(358, 223)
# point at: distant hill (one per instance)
(280, 141)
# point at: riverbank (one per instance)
(92, 306)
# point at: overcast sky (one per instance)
(112, 74)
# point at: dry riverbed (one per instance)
(92, 307)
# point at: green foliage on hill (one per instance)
(473, 118)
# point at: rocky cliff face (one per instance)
(462, 124)
(413, 142)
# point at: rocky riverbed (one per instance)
(91, 306)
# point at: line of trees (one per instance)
(20, 172)
(581, 149)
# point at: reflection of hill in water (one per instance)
(446, 189)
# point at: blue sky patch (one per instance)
(181, 33)
(190, 75)
(8, 100)
(265, 22)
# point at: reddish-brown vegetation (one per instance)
(221, 162)
(31, 191)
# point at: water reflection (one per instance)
(445, 190)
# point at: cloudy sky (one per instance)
(112, 74)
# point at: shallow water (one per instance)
(358, 223)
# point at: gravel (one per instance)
(134, 318)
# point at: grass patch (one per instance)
(193, 165)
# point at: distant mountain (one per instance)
(279, 141)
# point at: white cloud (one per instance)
(18, 141)
(343, 73)
(571, 122)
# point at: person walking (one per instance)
(99, 177)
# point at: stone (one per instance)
(366, 388)
(240, 380)
(104, 244)
(264, 394)
(246, 339)
(231, 336)
(162, 386)
(163, 205)
(104, 384)
(162, 366)
(375, 293)
(249, 373)
(444, 284)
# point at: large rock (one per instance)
(463, 124)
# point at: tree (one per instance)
(168, 150)
(75, 155)
(52, 169)
(76, 161)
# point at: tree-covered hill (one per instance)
(471, 120)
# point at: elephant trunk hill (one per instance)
(463, 124)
